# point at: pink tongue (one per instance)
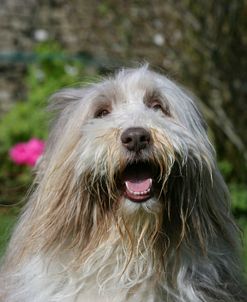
(138, 185)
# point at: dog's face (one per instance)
(130, 151)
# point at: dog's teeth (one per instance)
(139, 193)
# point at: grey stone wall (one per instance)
(125, 32)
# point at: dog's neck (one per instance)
(130, 257)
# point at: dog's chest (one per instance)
(99, 281)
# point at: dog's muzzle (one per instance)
(137, 176)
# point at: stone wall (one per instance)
(126, 33)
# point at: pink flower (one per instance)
(27, 153)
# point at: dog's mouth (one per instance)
(138, 181)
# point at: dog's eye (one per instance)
(101, 113)
(156, 105)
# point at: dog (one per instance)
(128, 203)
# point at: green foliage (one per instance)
(28, 118)
(7, 220)
(239, 198)
(238, 190)
(226, 168)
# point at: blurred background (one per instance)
(50, 44)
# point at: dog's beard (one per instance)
(156, 221)
(106, 211)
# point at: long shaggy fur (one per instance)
(80, 239)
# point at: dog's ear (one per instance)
(203, 221)
(65, 99)
(60, 99)
(58, 202)
(61, 104)
(61, 107)
(197, 106)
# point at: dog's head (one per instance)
(127, 133)
(131, 151)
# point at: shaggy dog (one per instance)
(128, 203)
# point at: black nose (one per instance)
(135, 139)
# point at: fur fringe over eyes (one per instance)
(85, 236)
